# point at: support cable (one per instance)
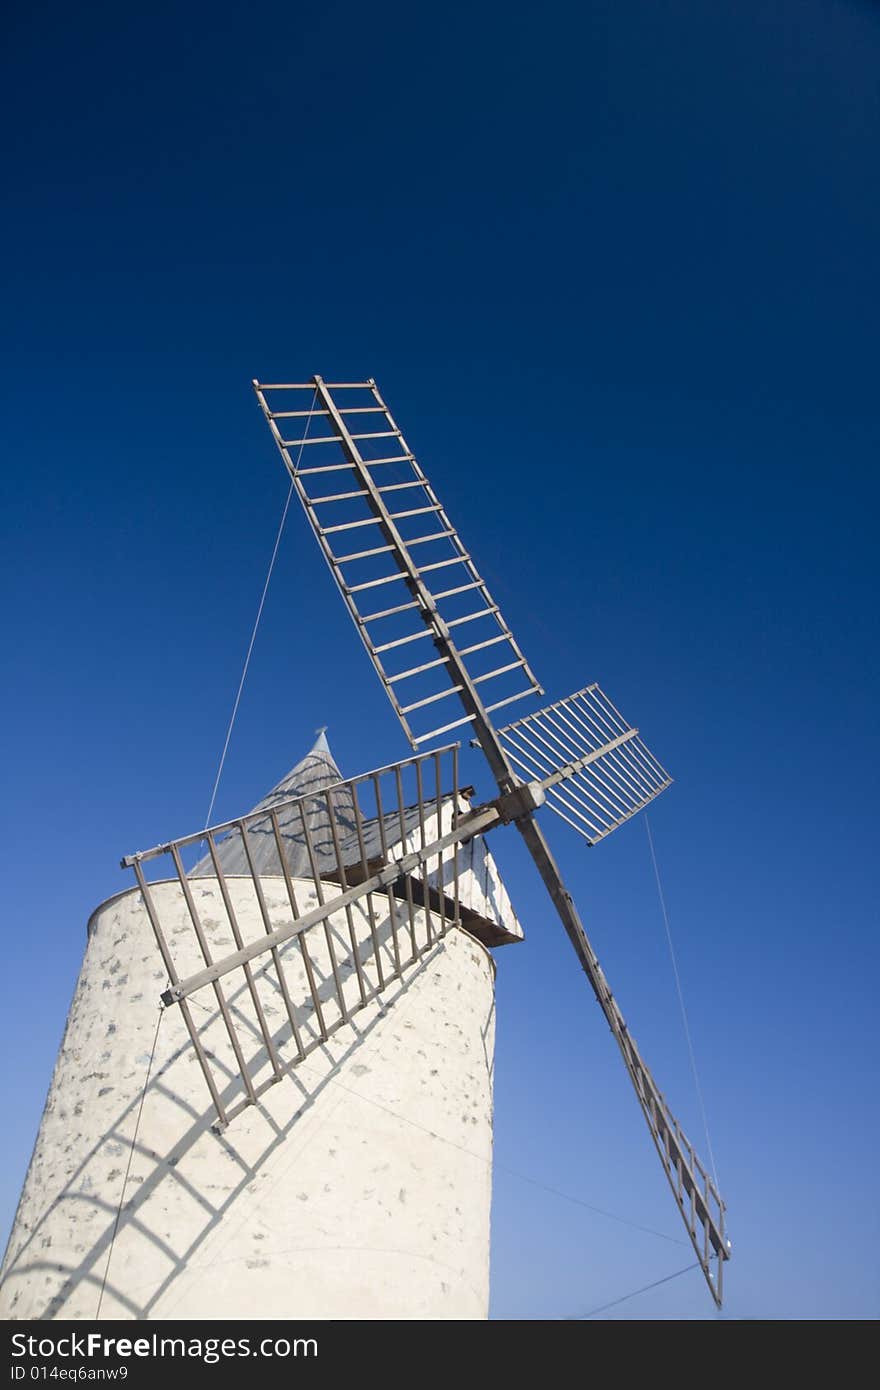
(581, 1317)
(247, 660)
(684, 1017)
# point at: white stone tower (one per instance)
(357, 1187)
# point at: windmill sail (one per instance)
(582, 771)
(306, 910)
(398, 562)
(593, 767)
(696, 1195)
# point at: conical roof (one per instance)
(315, 772)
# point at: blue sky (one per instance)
(615, 268)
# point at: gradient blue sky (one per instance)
(615, 267)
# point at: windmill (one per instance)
(411, 587)
(333, 938)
